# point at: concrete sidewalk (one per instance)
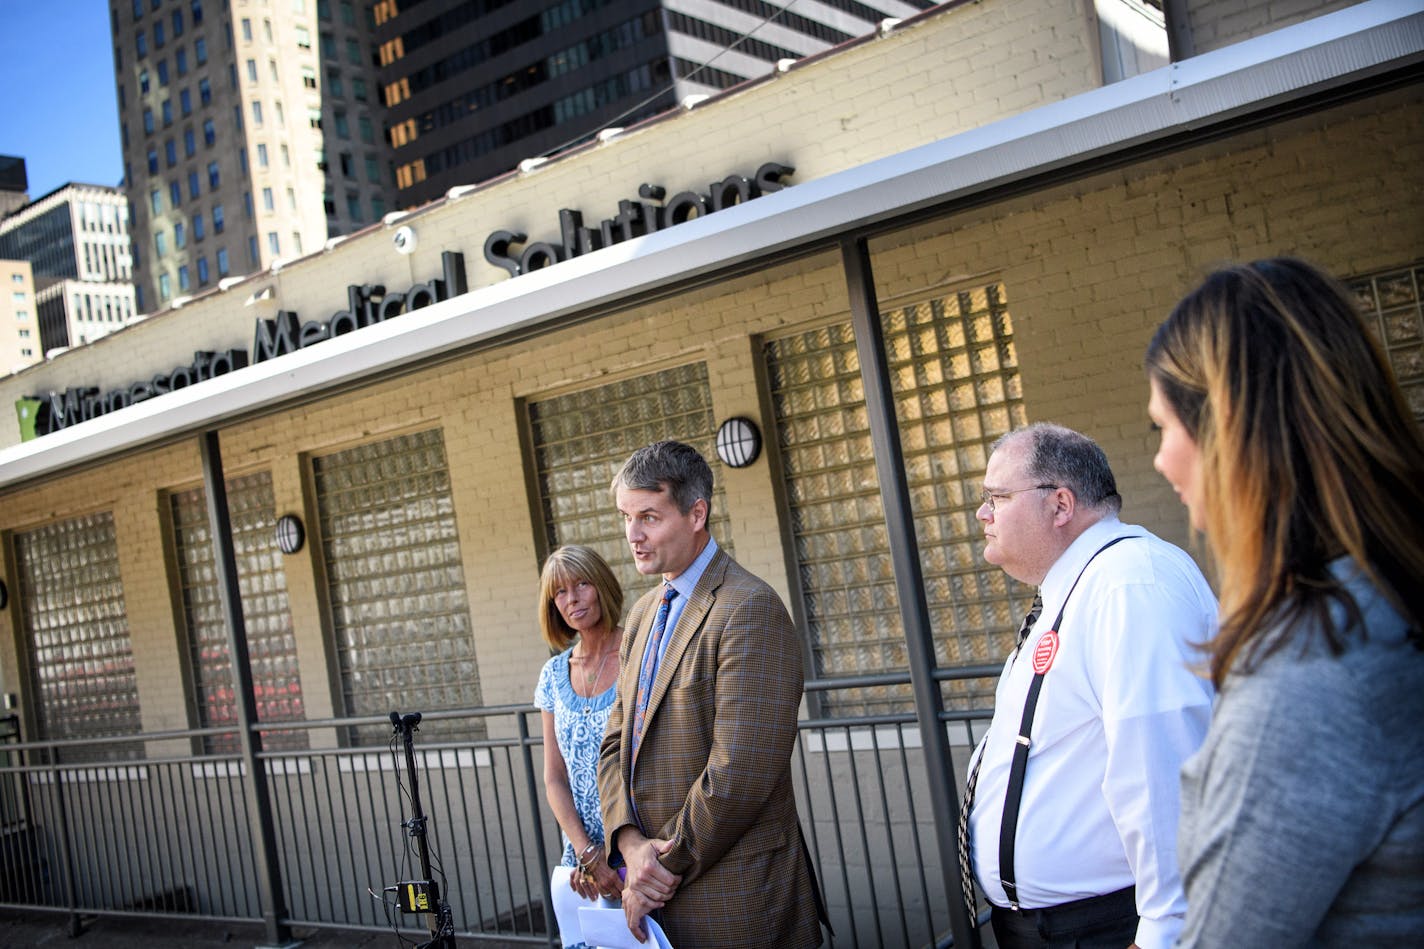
(26, 930)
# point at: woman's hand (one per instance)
(595, 878)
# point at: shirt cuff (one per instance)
(1159, 933)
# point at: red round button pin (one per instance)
(1044, 651)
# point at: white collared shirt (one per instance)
(1121, 707)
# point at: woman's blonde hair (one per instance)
(568, 565)
(1308, 453)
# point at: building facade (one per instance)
(473, 89)
(19, 328)
(250, 133)
(76, 239)
(923, 254)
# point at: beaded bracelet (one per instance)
(585, 860)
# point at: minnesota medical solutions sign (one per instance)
(370, 304)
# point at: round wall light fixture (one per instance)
(290, 533)
(738, 442)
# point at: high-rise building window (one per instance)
(256, 114)
(138, 9)
(303, 37)
(162, 69)
(148, 121)
(333, 83)
(353, 52)
(177, 23)
(180, 62)
(353, 206)
(222, 261)
(158, 35)
(267, 29)
(160, 244)
(205, 91)
(183, 282)
(246, 29)
(348, 13)
(185, 103)
(200, 51)
(358, 89)
(252, 70)
(175, 193)
(268, 203)
(272, 70)
(253, 257)
(165, 288)
(198, 226)
(153, 161)
(328, 45)
(190, 145)
(170, 152)
(143, 81)
(155, 201)
(180, 236)
(247, 204)
(308, 77)
(291, 199)
(286, 156)
(261, 155)
(378, 207)
(167, 107)
(217, 219)
(197, 12)
(365, 129)
(214, 179)
(343, 127)
(348, 165)
(193, 185)
(373, 170)
(202, 271)
(281, 117)
(210, 132)
(141, 43)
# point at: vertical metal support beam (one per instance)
(1179, 30)
(266, 859)
(909, 579)
(531, 787)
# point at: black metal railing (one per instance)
(146, 827)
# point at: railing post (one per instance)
(532, 789)
(266, 857)
(909, 579)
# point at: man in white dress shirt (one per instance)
(1092, 861)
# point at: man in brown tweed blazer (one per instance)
(697, 796)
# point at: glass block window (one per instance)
(955, 379)
(1392, 306)
(271, 642)
(397, 584)
(77, 632)
(583, 438)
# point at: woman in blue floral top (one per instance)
(580, 603)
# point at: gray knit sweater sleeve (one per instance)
(1303, 812)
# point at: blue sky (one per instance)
(60, 112)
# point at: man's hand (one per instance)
(649, 885)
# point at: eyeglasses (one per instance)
(992, 498)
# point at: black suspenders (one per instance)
(1008, 830)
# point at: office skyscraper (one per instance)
(250, 131)
(76, 243)
(472, 87)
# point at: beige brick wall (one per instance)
(1218, 23)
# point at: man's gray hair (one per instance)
(668, 466)
(1069, 459)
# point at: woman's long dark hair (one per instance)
(1308, 452)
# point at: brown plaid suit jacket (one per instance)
(714, 765)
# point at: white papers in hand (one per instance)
(608, 929)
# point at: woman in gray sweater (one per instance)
(1287, 438)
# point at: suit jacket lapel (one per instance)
(694, 614)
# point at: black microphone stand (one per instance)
(439, 918)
